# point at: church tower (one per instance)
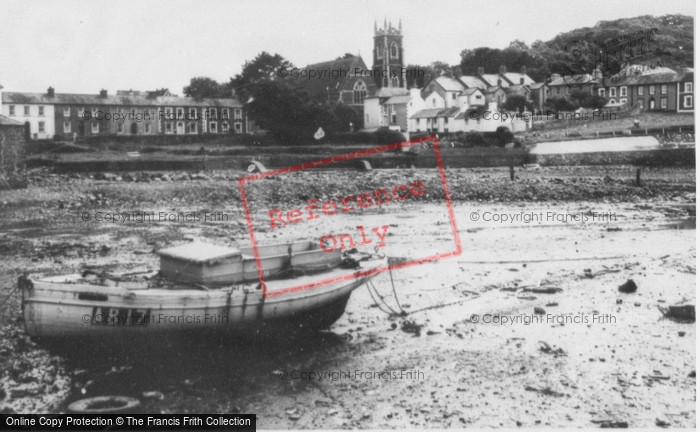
(388, 68)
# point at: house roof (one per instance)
(465, 114)
(472, 81)
(535, 86)
(435, 112)
(573, 80)
(515, 88)
(85, 99)
(317, 87)
(470, 91)
(491, 79)
(6, 121)
(514, 78)
(398, 100)
(391, 91)
(449, 83)
(492, 89)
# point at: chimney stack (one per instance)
(502, 69)
(50, 92)
(480, 71)
(103, 93)
(555, 77)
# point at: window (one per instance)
(395, 81)
(664, 89)
(623, 91)
(169, 128)
(687, 101)
(640, 91)
(120, 127)
(94, 111)
(224, 113)
(601, 92)
(664, 103)
(224, 127)
(148, 128)
(66, 111)
(42, 127)
(169, 115)
(613, 91)
(652, 89)
(212, 127)
(180, 113)
(394, 51)
(95, 127)
(193, 128)
(434, 103)
(26, 110)
(41, 111)
(623, 100)
(12, 110)
(193, 114)
(66, 127)
(238, 127)
(359, 92)
(454, 96)
(212, 113)
(557, 90)
(81, 112)
(379, 51)
(688, 87)
(238, 114)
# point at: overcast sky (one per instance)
(84, 46)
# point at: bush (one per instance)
(504, 136)
(388, 136)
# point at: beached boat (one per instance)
(200, 287)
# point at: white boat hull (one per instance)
(56, 307)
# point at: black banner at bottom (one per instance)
(97, 422)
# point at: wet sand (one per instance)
(619, 362)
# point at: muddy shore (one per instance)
(595, 355)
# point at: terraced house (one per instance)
(654, 90)
(65, 115)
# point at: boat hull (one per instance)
(55, 307)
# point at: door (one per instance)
(81, 128)
(180, 128)
(652, 104)
(134, 128)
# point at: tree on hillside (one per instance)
(203, 87)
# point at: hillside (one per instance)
(542, 58)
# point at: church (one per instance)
(354, 84)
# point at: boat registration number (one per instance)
(120, 316)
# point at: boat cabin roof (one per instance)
(199, 252)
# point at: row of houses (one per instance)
(452, 104)
(65, 116)
(465, 103)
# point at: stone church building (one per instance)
(348, 80)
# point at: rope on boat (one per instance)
(391, 312)
(376, 302)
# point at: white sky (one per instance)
(84, 46)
